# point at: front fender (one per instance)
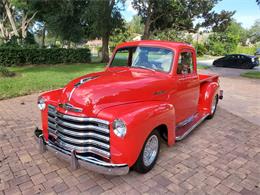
(207, 93)
(140, 118)
(51, 97)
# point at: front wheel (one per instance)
(149, 153)
(213, 107)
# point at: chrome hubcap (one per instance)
(214, 105)
(150, 150)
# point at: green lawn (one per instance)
(251, 74)
(202, 67)
(38, 78)
(208, 57)
(31, 79)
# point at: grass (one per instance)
(38, 78)
(251, 74)
(208, 57)
(201, 67)
(32, 79)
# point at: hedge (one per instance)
(20, 56)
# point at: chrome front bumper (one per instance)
(77, 161)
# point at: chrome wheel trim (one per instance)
(214, 105)
(150, 150)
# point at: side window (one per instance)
(121, 58)
(185, 63)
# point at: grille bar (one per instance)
(81, 149)
(81, 127)
(82, 134)
(82, 141)
(85, 135)
(81, 119)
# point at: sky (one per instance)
(247, 11)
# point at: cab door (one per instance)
(187, 94)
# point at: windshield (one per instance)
(153, 58)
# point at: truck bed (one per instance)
(208, 78)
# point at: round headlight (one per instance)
(119, 128)
(41, 103)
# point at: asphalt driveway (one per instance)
(241, 95)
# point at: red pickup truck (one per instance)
(110, 121)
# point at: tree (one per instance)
(173, 35)
(118, 36)
(61, 18)
(16, 17)
(103, 17)
(254, 32)
(136, 25)
(177, 14)
(217, 22)
(221, 43)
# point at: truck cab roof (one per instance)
(156, 43)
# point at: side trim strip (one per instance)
(179, 138)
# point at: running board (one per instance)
(183, 131)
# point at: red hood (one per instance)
(114, 87)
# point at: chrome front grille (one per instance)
(84, 135)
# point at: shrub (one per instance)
(21, 56)
(200, 48)
(245, 50)
(218, 49)
(5, 72)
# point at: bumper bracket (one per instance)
(74, 162)
(77, 160)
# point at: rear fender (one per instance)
(208, 91)
(141, 119)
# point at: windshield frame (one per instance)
(149, 46)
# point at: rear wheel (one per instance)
(213, 107)
(149, 153)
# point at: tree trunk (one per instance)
(3, 32)
(43, 36)
(105, 52)
(10, 17)
(146, 35)
(147, 25)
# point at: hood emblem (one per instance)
(70, 107)
(84, 80)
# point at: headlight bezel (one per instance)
(119, 128)
(41, 103)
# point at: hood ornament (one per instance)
(84, 80)
(70, 107)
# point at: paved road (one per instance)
(222, 156)
(206, 62)
(241, 95)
